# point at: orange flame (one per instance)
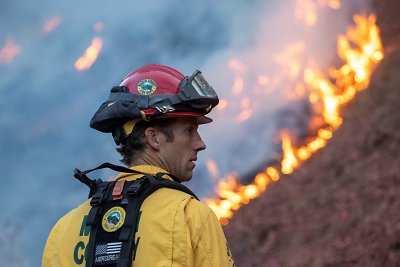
(360, 61)
(306, 10)
(246, 110)
(237, 66)
(289, 161)
(326, 90)
(9, 51)
(212, 168)
(51, 24)
(222, 105)
(334, 4)
(237, 85)
(289, 58)
(353, 76)
(361, 50)
(90, 56)
(239, 69)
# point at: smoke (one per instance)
(11, 242)
(269, 68)
(45, 104)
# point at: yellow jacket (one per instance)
(174, 229)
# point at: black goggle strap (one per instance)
(162, 103)
(144, 101)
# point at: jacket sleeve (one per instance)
(50, 250)
(208, 241)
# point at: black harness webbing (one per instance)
(122, 238)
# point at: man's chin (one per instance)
(187, 178)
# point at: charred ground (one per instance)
(341, 207)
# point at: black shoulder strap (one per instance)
(81, 175)
(135, 193)
(93, 219)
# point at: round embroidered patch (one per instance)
(113, 219)
(147, 86)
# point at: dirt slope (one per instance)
(342, 207)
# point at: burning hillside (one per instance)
(360, 50)
(340, 208)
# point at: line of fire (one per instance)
(360, 50)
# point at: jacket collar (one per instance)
(142, 168)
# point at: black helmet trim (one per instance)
(111, 115)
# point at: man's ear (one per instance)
(152, 136)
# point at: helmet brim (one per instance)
(129, 126)
(201, 119)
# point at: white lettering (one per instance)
(112, 257)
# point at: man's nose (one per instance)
(200, 145)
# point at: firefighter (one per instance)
(153, 116)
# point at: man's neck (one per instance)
(148, 159)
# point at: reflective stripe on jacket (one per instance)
(174, 230)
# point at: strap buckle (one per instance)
(98, 197)
(118, 188)
(136, 187)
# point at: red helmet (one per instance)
(155, 91)
(167, 80)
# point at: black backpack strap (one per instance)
(138, 191)
(162, 182)
(128, 230)
(81, 175)
(92, 184)
(108, 165)
(103, 189)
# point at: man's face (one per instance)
(178, 156)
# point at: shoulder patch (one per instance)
(113, 219)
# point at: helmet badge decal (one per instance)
(147, 86)
(113, 219)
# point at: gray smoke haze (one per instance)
(45, 104)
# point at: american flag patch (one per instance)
(108, 248)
